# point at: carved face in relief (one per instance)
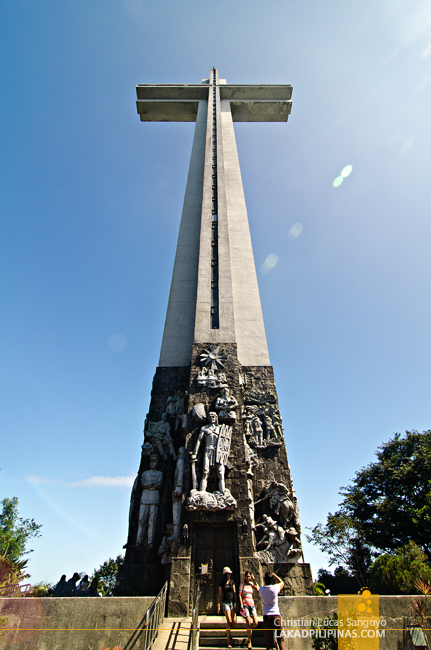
(213, 418)
(154, 462)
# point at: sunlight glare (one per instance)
(269, 263)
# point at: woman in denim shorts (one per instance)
(248, 609)
(227, 597)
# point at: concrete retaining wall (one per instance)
(71, 623)
(395, 615)
(97, 623)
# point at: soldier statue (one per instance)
(217, 447)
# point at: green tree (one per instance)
(386, 505)
(399, 573)
(42, 589)
(107, 574)
(341, 538)
(340, 582)
(391, 499)
(15, 532)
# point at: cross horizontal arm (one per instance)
(179, 103)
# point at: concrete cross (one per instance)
(179, 103)
(214, 295)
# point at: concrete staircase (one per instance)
(174, 634)
(212, 634)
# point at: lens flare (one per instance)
(346, 171)
(338, 181)
(269, 263)
(295, 231)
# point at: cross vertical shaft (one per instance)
(214, 295)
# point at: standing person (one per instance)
(70, 587)
(271, 612)
(59, 587)
(93, 589)
(246, 603)
(83, 587)
(227, 597)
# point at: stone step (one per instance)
(212, 634)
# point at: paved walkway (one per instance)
(174, 634)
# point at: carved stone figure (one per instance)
(248, 415)
(271, 433)
(168, 547)
(177, 494)
(170, 406)
(272, 411)
(198, 412)
(175, 407)
(226, 404)
(254, 396)
(152, 481)
(251, 458)
(222, 381)
(159, 435)
(268, 435)
(257, 430)
(279, 545)
(273, 533)
(217, 448)
(251, 502)
(202, 377)
(212, 379)
(209, 378)
(211, 501)
(147, 448)
(281, 504)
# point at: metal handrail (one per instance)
(195, 618)
(154, 617)
(14, 590)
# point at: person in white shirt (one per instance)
(271, 611)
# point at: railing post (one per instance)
(154, 617)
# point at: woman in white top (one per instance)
(271, 612)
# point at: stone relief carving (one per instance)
(251, 458)
(158, 434)
(250, 498)
(198, 412)
(211, 501)
(258, 397)
(282, 505)
(279, 545)
(168, 546)
(212, 360)
(280, 540)
(225, 405)
(175, 408)
(152, 481)
(262, 426)
(177, 495)
(209, 378)
(214, 357)
(217, 447)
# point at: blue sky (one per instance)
(90, 202)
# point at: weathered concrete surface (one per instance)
(394, 611)
(95, 623)
(180, 317)
(174, 634)
(72, 623)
